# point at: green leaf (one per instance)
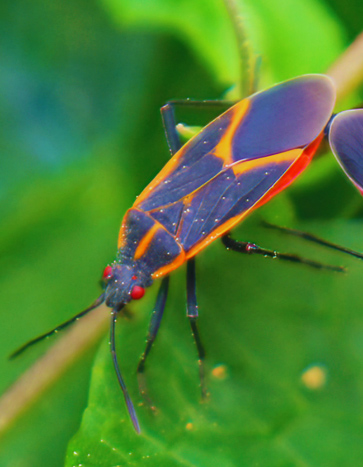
(81, 137)
(284, 35)
(266, 322)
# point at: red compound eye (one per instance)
(137, 292)
(107, 273)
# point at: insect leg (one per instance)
(313, 238)
(192, 314)
(130, 406)
(153, 330)
(252, 248)
(169, 122)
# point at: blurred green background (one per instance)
(80, 136)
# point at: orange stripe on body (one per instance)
(289, 176)
(224, 147)
(163, 271)
(122, 233)
(145, 242)
(242, 167)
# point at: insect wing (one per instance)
(346, 142)
(287, 116)
(223, 202)
(239, 161)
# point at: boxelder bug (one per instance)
(235, 164)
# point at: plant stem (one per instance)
(47, 369)
(347, 70)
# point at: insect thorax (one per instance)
(145, 244)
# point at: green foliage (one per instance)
(81, 136)
(284, 34)
(266, 322)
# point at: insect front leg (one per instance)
(252, 248)
(192, 314)
(154, 325)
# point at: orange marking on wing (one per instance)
(164, 270)
(289, 176)
(296, 168)
(245, 166)
(122, 235)
(145, 242)
(224, 147)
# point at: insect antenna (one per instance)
(24, 347)
(130, 405)
(314, 238)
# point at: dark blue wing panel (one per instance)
(183, 181)
(169, 216)
(286, 116)
(346, 141)
(226, 196)
(194, 166)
